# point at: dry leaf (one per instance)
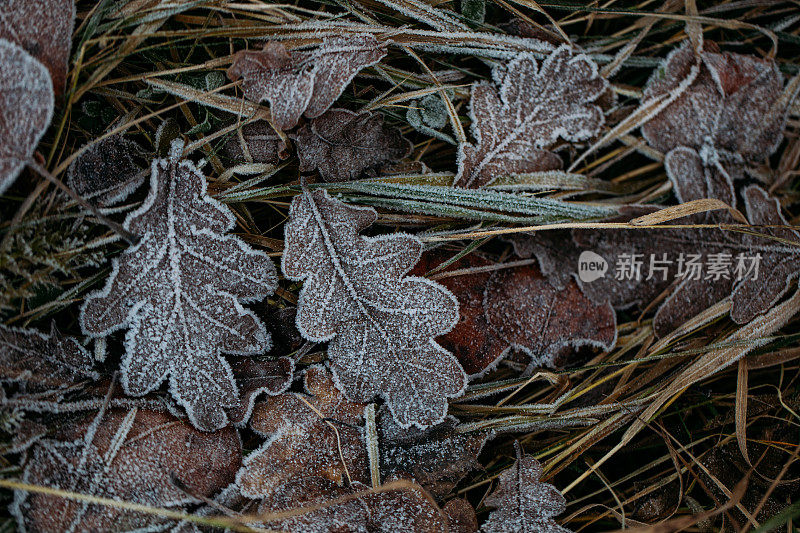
(43, 362)
(179, 292)
(255, 142)
(460, 516)
(534, 107)
(380, 324)
(524, 504)
(342, 144)
(26, 107)
(299, 82)
(44, 29)
(132, 456)
(108, 172)
(308, 436)
(437, 458)
(256, 377)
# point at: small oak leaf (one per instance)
(304, 82)
(534, 107)
(108, 171)
(179, 292)
(255, 142)
(132, 456)
(343, 144)
(380, 324)
(26, 107)
(44, 29)
(523, 503)
(256, 377)
(309, 436)
(43, 362)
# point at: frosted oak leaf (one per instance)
(535, 106)
(44, 29)
(26, 108)
(313, 435)
(343, 144)
(179, 292)
(133, 456)
(304, 82)
(380, 324)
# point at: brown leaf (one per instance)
(44, 29)
(342, 144)
(524, 504)
(179, 292)
(460, 516)
(43, 362)
(255, 142)
(437, 458)
(256, 377)
(299, 82)
(309, 436)
(133, 456)
(534, 107)
(380, 323)
(26, 107)
(108, 172)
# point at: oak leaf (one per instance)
(108, 171)
(26, 108)
(312, 435)
(179, 292)
(304, 82)
(535, 106)
(133, 456)
(342, 144)
(44, 29)
(380, 324)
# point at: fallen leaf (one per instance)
(342, 144)
(460, 516)
(523, 503)
(256, 377)
(437, 458)
(44, 29)
(108, 172)
(43, 362)
(255, 142)
(535, 106)
(179, 292)
(380, 324)
(313, 435)
(26, 108)
(299, 82)
(132, 456)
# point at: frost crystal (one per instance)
(381, 324)
(26, 107)
(134, 456)
(524, 504)
(179, 292)
(309, 436)
(515, 126)
(44, 29)
(307, 82)
(108, 172)
(342, 144)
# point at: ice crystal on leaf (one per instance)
(179, 292)
(524, 504)
(308, 435)
(108, 171)
(342, 144)
(42, 362)
(534, 107)
(132, 456)
(304, 82)
(380, 324)
(44, 29)
(728, 119)
(26, 107)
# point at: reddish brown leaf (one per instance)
(108, 172)
(535, 106)
(305, 434)
(256, 377)
(460, 516)
(133, 456)
(44, 29)
(299, 82)
(342, 144)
